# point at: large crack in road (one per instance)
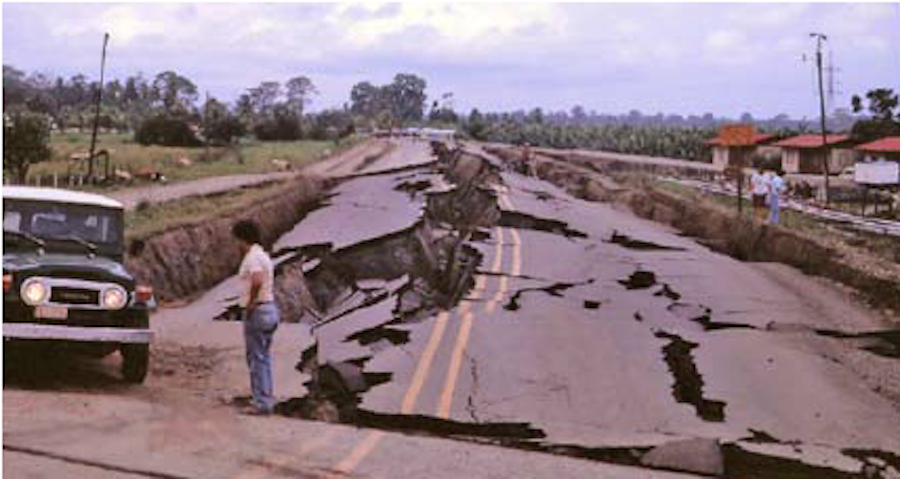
(431, 267)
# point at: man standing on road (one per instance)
(776, 188)
(759, 189)
(260, 314)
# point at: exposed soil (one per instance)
(186, 260)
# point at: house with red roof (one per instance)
(886, 149)
(806, 153)
(722, 153)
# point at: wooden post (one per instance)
(865, 199)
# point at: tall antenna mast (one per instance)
(831, 74)
(820, 37)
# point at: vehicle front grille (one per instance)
(64, 295)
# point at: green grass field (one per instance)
(145, 221)
(125, 154)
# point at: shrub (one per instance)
(26, 138)
(166, 131)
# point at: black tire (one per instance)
(136, 357)
(135, 362)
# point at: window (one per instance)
(55, 220)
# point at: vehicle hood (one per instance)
(61, 265)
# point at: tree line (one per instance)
(167, 109)
(168, 106)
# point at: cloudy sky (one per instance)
(675, 58)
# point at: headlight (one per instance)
(34, 292)
(114, 298)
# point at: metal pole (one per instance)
(206, 127)
(97, 110)
(819, 38)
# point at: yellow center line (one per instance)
(418, 380)
(286, 460)
(368, 444)
(360, 452)
(409, 400)
(517, 253)
(496, 268)
(465, 328)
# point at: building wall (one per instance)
(880, 156)
(842, 158)
(720, 156)
(811, 160)
(790, 160)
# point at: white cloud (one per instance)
(459, 27)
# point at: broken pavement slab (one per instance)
(702, 456)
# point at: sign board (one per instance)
(736, 135)
(877, 173)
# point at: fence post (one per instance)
(55, 179)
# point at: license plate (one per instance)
(51, 312)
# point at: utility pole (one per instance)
(206, 127)
(820, 37)
(97, 111)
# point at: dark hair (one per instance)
(246, 231)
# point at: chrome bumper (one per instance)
(75, 333)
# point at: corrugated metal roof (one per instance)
(811, 141)
(757, 139)
(890, 144)
(58, 195)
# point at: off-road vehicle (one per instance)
(64, 283)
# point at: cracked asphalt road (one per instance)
(577, 356)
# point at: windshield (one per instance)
(64, 222)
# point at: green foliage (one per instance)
(26, 139)
(399, 102)
(220, 127)
(166, 131)
(672, 142)
(476, 127)
(282, 125)
(331, 125)
(224, 130)
(884, 122)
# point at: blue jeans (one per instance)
(773, 209)
(259, 327)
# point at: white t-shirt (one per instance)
(256, 260)
(759, 184)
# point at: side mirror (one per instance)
(136, 248)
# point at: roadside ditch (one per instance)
(187, 259)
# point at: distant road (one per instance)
(131, 197)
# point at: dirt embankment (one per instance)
(718, 228)
(185, 260)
